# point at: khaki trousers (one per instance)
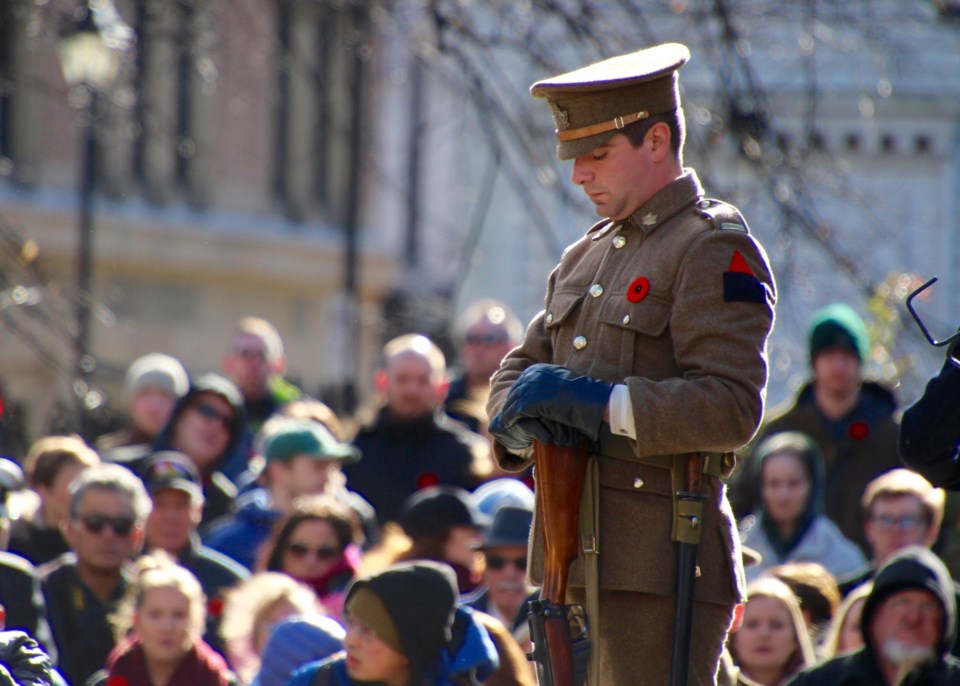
(636, 644)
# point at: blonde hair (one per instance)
(249, 602)
(159, 570)
(831, 641)
(771, 587)
(903, 482)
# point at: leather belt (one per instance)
(619, 448)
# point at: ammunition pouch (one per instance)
(561, 647)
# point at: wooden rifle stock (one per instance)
(560, 472)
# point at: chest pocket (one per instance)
(560, 321)
(635, 336)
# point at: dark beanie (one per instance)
(839, 326)
(410, 606)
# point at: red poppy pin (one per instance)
(858, 430)
(638, 289)
(215, 606)
(117, 680)
(427, 479)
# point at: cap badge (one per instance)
(561, 116)
(649, 219)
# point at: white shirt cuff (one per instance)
(621, 412)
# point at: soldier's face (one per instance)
(617, 177)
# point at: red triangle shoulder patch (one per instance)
(739, 265)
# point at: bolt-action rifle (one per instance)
(561, 648)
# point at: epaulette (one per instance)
(722, 216)
(600, 228)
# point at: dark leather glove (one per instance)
(549, 431)
(511, 437)
(548, 391)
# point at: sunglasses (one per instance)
(96, 523)
(486, 338)
(299, 550)
(210, 412)
(498, 562)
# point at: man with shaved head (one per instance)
(412, 444)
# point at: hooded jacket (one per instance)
(911, 568)
(856, 449)
(815, 538)
(444, 644)
(218, 490)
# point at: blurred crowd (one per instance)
(237, 531)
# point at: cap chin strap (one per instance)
(603, 127)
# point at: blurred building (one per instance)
(230, 170)
(352, 169)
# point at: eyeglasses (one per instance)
(301, 550)
(486, 338)
(904, 522)
(210, 412)
(498, 562)
(95, 524)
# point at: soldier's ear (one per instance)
(658, 138)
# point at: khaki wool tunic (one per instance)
(676, 303)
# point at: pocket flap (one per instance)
(561, 307)
(650, 316)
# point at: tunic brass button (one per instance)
(619, 242)
(596, 290)
(580, 342)
(550, 318)
(638, 482)
(626, 319)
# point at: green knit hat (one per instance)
(839, 326)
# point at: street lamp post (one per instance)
(91, 50)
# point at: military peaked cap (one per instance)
(592, 103)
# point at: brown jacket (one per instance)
(692, 352)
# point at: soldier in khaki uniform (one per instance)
(652, 344)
